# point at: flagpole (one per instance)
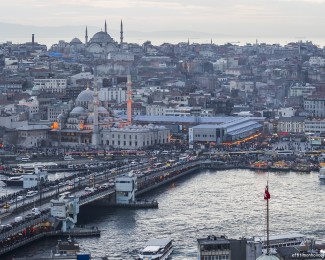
(267, 225)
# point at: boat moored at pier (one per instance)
(157, 249)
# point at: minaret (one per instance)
(121, 33)
(105, 26)
(95, 135)
(86, 36)
(129, 102)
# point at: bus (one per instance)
(64, 195)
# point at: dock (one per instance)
(139, 204)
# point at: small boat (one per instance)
(157, 249)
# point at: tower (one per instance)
(86, 36)
(33, 40)
(129, 102)
(121, 33)
(105, 26)
(95, 135)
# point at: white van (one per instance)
(31, 193)
(68, 158)
(165, 152)
(25, 159)
(36, 211)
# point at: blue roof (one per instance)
(194, 119)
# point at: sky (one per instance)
(240, 18)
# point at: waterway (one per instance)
(203, 203)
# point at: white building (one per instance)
(155, 110)
(117, 94)
(126, 186)
(315, 126)
(31, 105)
(134, 137)
(315, 106)
(298, 90)
(51, 85)
(292, 124)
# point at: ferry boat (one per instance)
(284, 240)
(14, 181)
(157, 249)
(322, 175)
(29, 180)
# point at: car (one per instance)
(87, 189)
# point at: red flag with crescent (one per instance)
(267, 195)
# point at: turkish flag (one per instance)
(267, 195)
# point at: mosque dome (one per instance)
(75, 41)
(85, 96)
(101, 38)
(78, 111)
(102, 110)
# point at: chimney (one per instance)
(33, 41)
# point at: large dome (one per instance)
(85, 96)
(78, 110)
(75, 41)
(101, 37)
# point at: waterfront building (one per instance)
(134, 137)
(223, 132)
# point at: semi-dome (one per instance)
(85, 96)
(101, 37)
(102, 110)
(75, 41)
(78, 110)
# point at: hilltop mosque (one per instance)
(101, 44)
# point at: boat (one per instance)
(29, 180)
(157, 249)
(14, 181)
(284, 240)
(322, 175)
(302, 168)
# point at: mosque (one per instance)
(89, 123)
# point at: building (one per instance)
(315, 126)
(30, 136)
(220, 248)
(223, 132)
(214, 247)
(134, 137)
(315, 106)
(50, 85)
(294, 124)
(126, 186)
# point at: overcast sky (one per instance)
(253, 18)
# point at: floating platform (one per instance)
(139, 204)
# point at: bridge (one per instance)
(32, 229)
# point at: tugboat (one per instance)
(157, 249)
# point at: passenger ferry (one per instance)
(157, 249)
(285, 240)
